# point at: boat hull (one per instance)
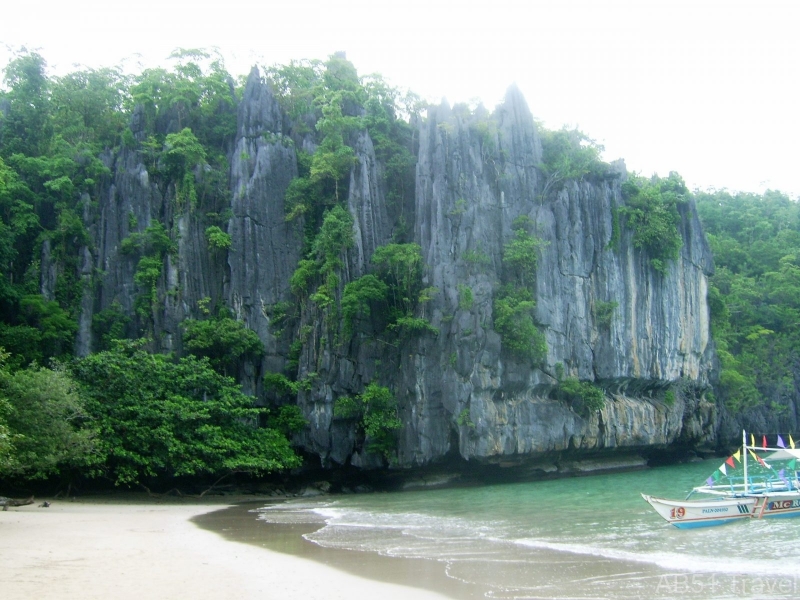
(690, 514)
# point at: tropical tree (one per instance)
(160, 418)
(44, 426)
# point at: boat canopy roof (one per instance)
(783, 454)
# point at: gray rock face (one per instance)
(130, 204)
(367, 203)
(606, 315)
(265, 247)
(458, 391)
(659, 330)
(467, 198)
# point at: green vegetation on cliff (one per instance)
(53, 131)
(375, 411)
(123, 413)
(514, 303)
(651, 211)
(569, 154)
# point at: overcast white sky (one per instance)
(707, 88)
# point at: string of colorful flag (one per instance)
(780, 443)
(737, 456)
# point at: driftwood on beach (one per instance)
(6, 502)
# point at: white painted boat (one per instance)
(766, 493)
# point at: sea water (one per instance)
(583, 537)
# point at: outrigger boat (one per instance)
(761, 492)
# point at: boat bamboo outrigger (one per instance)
(761, 492)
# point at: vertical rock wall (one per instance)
(265, 247)
(475, 175)
(460, 393)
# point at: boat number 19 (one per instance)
(677, 513)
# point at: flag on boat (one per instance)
(792, 464)
(710, 482)
(730, 462)
(763, 441)
(752, 440)
(737, 455)
(791, 441)
(780, 442)
(723, 469)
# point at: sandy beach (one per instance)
(142, 550)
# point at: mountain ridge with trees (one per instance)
(304, 254)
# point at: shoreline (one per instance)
(417, 575)
(129, 549)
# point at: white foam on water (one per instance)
(674, 561)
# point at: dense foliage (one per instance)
(651, 212)
(222, 340)
(754, 295)
(45, 428)
(569, 154)
(135, 417)
(375, 411)
(162, 418)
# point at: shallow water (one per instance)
(587, 537)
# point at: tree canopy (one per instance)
(163, 418)
(754, 294)
(45, 429)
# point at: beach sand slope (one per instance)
(137, 551)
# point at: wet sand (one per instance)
(240, 524)
(136, 550)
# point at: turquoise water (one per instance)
(587, 537)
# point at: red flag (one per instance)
(730, 462)
(764, 440)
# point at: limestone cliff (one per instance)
(460, 392)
